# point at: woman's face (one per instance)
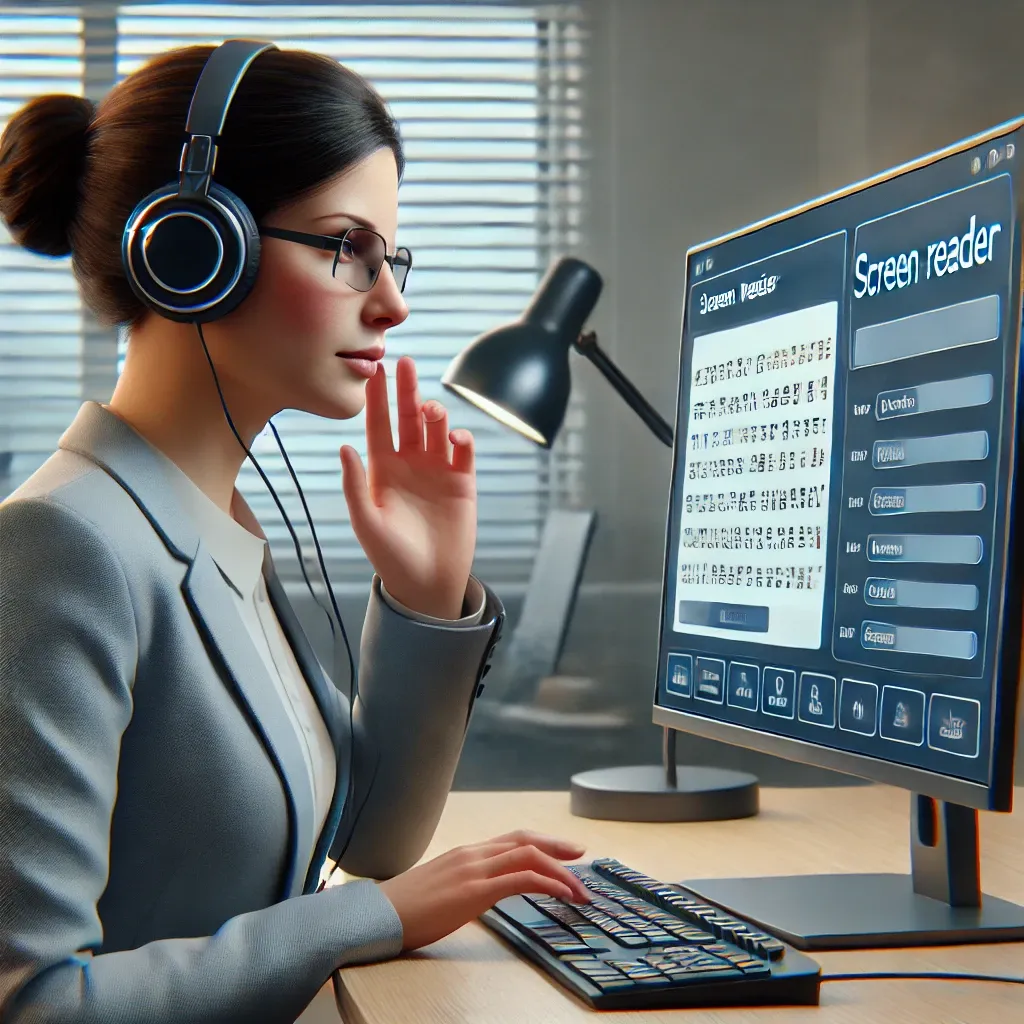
(285, 345)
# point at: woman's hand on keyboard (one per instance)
(435, 898)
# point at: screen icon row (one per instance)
(742, 685)
(899, 715)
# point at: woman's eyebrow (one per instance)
(361, 221)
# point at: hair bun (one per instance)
(42, 155)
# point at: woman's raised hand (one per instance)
(414, 511)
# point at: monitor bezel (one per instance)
(997, 795)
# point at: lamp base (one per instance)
(641, 793)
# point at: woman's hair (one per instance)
(71, 173)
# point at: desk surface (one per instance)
(472, 977)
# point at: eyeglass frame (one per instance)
(336, 242)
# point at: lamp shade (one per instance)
(519, 373)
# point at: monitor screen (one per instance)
(840, 580)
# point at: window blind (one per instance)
(487, 96)
(41, 324)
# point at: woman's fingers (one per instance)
(463, 457)
(435, 415)
(564, 849)
(361, 509)
(503, 886)
(410, 413)
(530, 858)
(379, 441)
(483, 851)
(423, 426)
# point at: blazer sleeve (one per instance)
(68, 653)
(417, 685)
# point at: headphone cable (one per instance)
(352, 672)
(319, 552)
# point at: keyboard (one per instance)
(645, 944)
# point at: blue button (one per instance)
(778, 692)
(743, 617)
(710, 681)
(887, 501)
(858, 707)
(938, 643)
(743, 685)
(954, 725)
(902, 402)
(901, 718)
(878, 636)
(679, 676)
(879, 591)
(817, 704)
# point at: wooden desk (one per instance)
(472, 977)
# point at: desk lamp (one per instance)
(519, 374)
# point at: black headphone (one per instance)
(191, 249)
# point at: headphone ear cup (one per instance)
(192, 259)
(250, 263)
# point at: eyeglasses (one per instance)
(359, 255)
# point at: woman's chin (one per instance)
(340, 403)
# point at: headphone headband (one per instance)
(214, 91)
(191, 249)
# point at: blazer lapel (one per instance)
(146, 474)
(333, 706)
(217, 615)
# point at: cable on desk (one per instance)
(921, 976)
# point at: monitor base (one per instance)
(822, 912)
(643, 793)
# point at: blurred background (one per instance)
(620, 131)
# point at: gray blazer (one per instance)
(151, 792)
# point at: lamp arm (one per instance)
(586, 344)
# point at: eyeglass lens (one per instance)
(361, 256)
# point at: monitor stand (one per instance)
(939, 903)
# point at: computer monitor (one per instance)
(843, 573)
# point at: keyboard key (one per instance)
(717, 948)
(596, 968)
(624, 965)
(568, 947)
(613, 984)
(741, 960)
(600, 973)
(754, 967)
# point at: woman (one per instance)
(173, 761)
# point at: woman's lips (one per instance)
(364, 363)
